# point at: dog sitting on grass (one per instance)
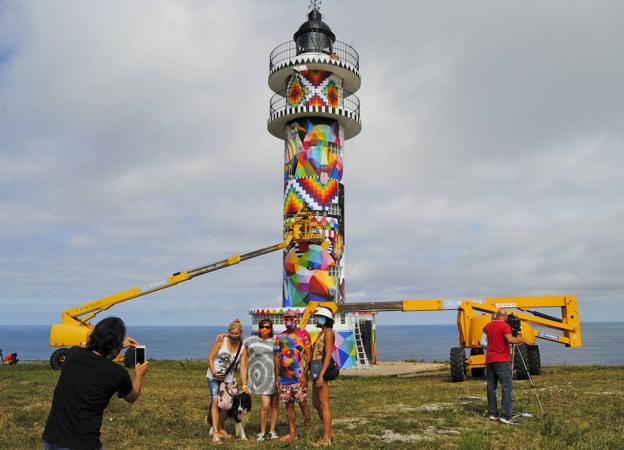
(241, 406)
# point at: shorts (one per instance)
(295, 392)
(213, 387)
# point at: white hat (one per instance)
(324, 311)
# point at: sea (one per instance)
(602, 343)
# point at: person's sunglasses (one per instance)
(268, 327)
(290, 319)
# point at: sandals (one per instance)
(288, 438)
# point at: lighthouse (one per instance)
(314, 111)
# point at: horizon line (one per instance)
(225, 324)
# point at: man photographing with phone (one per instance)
(88, 380)
(498, 360)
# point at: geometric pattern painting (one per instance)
(314, 88)
(313, 170)
(306, 275)
(308, 151)
(344, 353)
(310, 192)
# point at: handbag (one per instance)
(226, 394)
(332, 371)
(227, 391)
(330, 374)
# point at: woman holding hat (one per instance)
(322, 356)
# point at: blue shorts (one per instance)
(213, 387)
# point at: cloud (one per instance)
(134, 144)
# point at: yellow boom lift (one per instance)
(534, 325)
(76, 327)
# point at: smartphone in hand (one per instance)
(139, 354)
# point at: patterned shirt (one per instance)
(223, 360)
(291, 348)
(261, 371)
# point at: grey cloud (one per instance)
(134, 144)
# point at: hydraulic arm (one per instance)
(76, 326)
(472, 316)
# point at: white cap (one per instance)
(325, 312)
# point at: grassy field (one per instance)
(584, 409)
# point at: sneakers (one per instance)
(509, 421)
(493, 417)
(273, 435)
(260, 437)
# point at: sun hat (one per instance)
(324, 311)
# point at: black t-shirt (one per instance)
(85, 386)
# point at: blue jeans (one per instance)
(48, 446)
(499, 372)
(213, 387)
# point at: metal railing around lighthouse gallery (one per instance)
(340, 50)
(349, 102)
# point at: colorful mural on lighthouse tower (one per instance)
(314, 111)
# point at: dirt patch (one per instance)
(427, 434)
(394, 369)
(350, 423)
(430, 407)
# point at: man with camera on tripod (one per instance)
(498, 360)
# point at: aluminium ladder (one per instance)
(361, 358)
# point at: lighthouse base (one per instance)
(355, 333)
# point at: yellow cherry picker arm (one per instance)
(75, 325)
(473, 314)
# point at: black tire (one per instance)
(477, 372)
(458, 364)
(535, 363)
(521, 353)
(58, 358)
(129, 358)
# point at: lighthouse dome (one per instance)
(314, 35)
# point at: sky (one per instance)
(133, 145)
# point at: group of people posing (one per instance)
(272, 367)
(275, 368)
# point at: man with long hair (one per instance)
(88, 380)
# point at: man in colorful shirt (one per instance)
(292, 354)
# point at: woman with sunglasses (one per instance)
(258, 369)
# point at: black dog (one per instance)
(241, 405)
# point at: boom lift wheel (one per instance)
(458, 364)
(58, 358)
(521, 352)
(477, 372)
(535, 364)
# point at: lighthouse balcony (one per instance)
(339, 58)
(284, 108)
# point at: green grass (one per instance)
(584, 409)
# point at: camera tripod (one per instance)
(533, 389)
